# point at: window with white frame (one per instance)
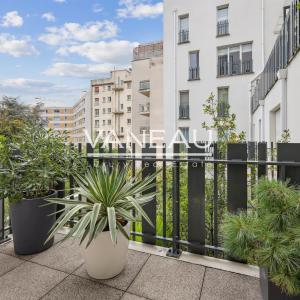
(194, 65)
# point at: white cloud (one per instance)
(70, 33)
(139, 9)
(10, 45)
(60, 1)
(89, 71)
(115, 52)
(49, 17)
(30, 89)
(12, 19)
(97, 8)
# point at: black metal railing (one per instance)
(194, 73)
(285, 49)
(234, 68)
(144, 85)
(183, 36)
(222, 28)
(184, 112)
(194, 189)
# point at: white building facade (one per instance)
(213, 46)
(275, 92)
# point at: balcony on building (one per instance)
(118, 111)
(144, 87)
(184, 112)
(145, 109)
(118, 86)
(222, 28)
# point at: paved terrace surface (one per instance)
(59, 273)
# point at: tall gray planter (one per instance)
(31, 224)
(270, 291)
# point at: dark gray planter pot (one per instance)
(270, 291)
(31, 224)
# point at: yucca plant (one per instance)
(111, 196)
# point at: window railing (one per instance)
(285, 49)
(194, 73)
(144, 85)
(184, 112)
(183, 36)
(237, 68)
(222, 28)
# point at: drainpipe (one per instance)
(282, 78)
(263, 120)
(175, 69)
(263, 32)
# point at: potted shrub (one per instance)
(31, 164)
(269, 236)
(104, 218)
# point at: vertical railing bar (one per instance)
(216, 198)
(175, 250)
(164, 193)
(80, 154)
(133, 176)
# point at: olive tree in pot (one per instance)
(30, 167)
(104, 218)
(269, 236)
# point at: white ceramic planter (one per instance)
(103, 259)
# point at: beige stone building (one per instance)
(112, 104)
(147, 90)
(75, 121)
(58, 118)
(82, 119)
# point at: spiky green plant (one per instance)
(111, 197)
(269, 234)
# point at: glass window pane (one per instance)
(184, 23)
(222, 14)
(194, 61)
(184, 98)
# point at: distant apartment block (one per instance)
(214, 47)
(82, 119)
(58, 118)
(75, 121)
(147, 90)
(112, 104)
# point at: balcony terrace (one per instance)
(58, 273)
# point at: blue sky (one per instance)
(50, 49)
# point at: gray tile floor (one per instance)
(59, 273)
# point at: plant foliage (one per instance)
(34, 162)
(110, 195)
(269, 235)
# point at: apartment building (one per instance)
(82, 119)
(58, 118)
(275, 92)
(112, 105)
(147, 90)
(216, 47)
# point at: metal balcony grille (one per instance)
(194, 73)
(144, 85)
(222, 28)
(184, 112)
(183, 36)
